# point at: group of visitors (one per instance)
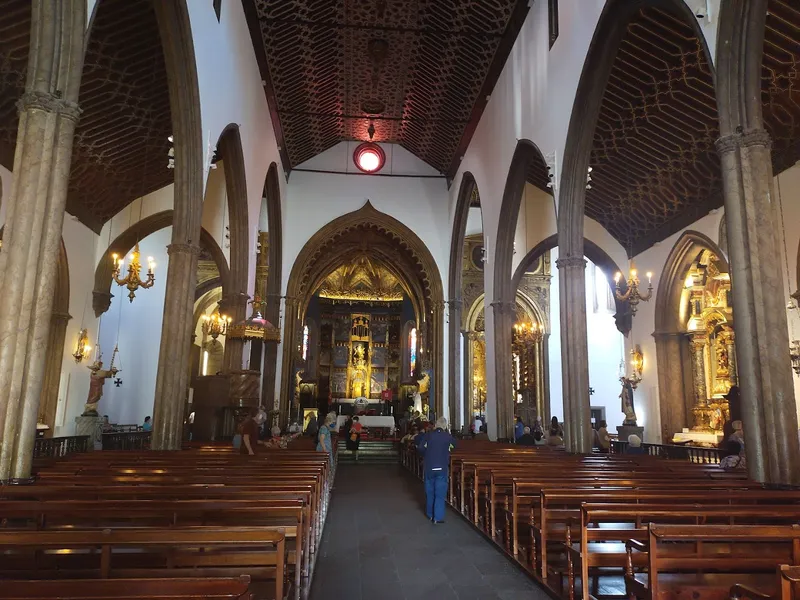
(536, 436)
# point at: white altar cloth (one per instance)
(367, 421)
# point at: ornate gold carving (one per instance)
(362, 280)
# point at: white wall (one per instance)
(139, 338)
(605, 348)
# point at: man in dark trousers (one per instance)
(435, 447)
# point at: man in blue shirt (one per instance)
(519, 429)
(435, 447)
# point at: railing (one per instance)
(695, 454)
(126, 428)
(136, 440)
(60, 446)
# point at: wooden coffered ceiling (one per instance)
(419, 71)
(120, 149)
(655, 167)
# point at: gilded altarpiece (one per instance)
(709, 328)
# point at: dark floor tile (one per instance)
(474, 592)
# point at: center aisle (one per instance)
(379, 545)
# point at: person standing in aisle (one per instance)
(435, 447)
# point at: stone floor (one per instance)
(379, 545)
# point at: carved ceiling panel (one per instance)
(417, 70)
(780, 89)
(362, 279)
(655, 167)
(121, 146)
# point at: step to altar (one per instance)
(371, 452)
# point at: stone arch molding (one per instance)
(101, 294)
(409, 258)
(673, 360)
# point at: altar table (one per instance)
(368, 421)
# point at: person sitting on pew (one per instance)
(635, 445)
(410, 436)
(519, 429)
(526, 439)
(250, 428)
(603, 439)
(555, 437)
(435, 447)
(733, 457)
(538, 438)
(482, 434)
(147, 425)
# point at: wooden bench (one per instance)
(222, 588)
(145, 553)
(710, 562)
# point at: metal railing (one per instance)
(134, 440)
(695, 454)
(60, 446)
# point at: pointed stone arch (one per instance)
(272, 195)
(455, 301)
(673, 359)
(526, 155)
(404, 251)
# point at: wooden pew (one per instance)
(707, 562)
(605, 528)
(145, 553)
(790, 582)
(222, 588)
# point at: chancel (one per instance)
(281, 278)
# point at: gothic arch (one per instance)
(594, 253)
(272, 193)
(101, 295)
(673, 359)
(454, 284)
(405, 253)
(526, 155)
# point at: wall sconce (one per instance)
(637, 366)
(83, 348)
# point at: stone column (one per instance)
(269, 373)
(504, 313)
(468, 370)
(293, 322)
(172, 380)
(539, 380)
(759, 306)
(436, 348)
(698, 346)
(574, 354)
(234, 306)
(32, 236)
(52, 374)
(546, 379)
(454, 381)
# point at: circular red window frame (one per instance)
(372, 147)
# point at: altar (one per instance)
(367, 421)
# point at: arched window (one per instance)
(305, 342)
(412, 346)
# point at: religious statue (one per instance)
(298, 378)
(424, 383)
(722, 358)
(417, 402)
(96, 382)
(626, 397)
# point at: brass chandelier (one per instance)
(632, 295)
(215, 324)
(133, 280)
(528, 334)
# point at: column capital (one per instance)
(571, 262)
(60, 316)
(49, 102)
(504, 307)
(237, 299)
(183, 249)
(456, 303)
(101, 302)
(744, 139)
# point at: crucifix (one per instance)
(591, 391)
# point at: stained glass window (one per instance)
(305, 342)
(412, 345)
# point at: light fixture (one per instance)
(171, 153)
(83, 348)
(637, 366)
(632, 294)
(215, 324)
(589, 178)
(369, 157)
(133, 280)
(528, 334)
(255, 327)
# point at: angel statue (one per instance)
(97, 380)
(626, 398)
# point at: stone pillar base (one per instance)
(93, 427)
(623, 431)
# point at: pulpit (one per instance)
(219, 402)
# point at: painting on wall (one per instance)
(379, 357)
(377, 385)
(340, 355)
(379, 330)
(341, 328)
(339, 383)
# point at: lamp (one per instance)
(528, 334)
(637, 366)
(83, 348)
(255, 327)
(133, 280)
(215, 325)
(632, 294)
